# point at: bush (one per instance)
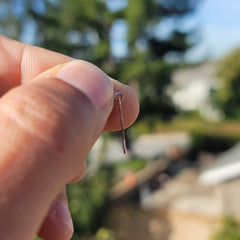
(132, 165)
(202, 142)
(89, 201)
(229, 230)
(104, 234)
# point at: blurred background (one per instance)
(180, 176)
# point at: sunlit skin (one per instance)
(34, 168)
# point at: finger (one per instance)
(130, 104)
(47, 127)
(58, 223)
(130, 108)
(20, 63)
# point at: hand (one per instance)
(50, 116)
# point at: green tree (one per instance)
(227, 97)
(83, 29)
(145, 61)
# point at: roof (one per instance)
(227, 167)
(205, 72)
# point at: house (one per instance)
(225, 168)
(191, 88)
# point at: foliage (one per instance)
(203, 142)
(189, 124)
(133, 164)
(104, 234)
(205, 136)
(229, 230)
(89, 30)
(37, 238)
(88, 202)
(227, 97)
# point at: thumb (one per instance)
(47, 128)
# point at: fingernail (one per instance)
(63, 214)
(89, 79)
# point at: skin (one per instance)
(47, 127)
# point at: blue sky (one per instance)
(217, 26)
(218, 23)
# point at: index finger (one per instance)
(22, 62)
